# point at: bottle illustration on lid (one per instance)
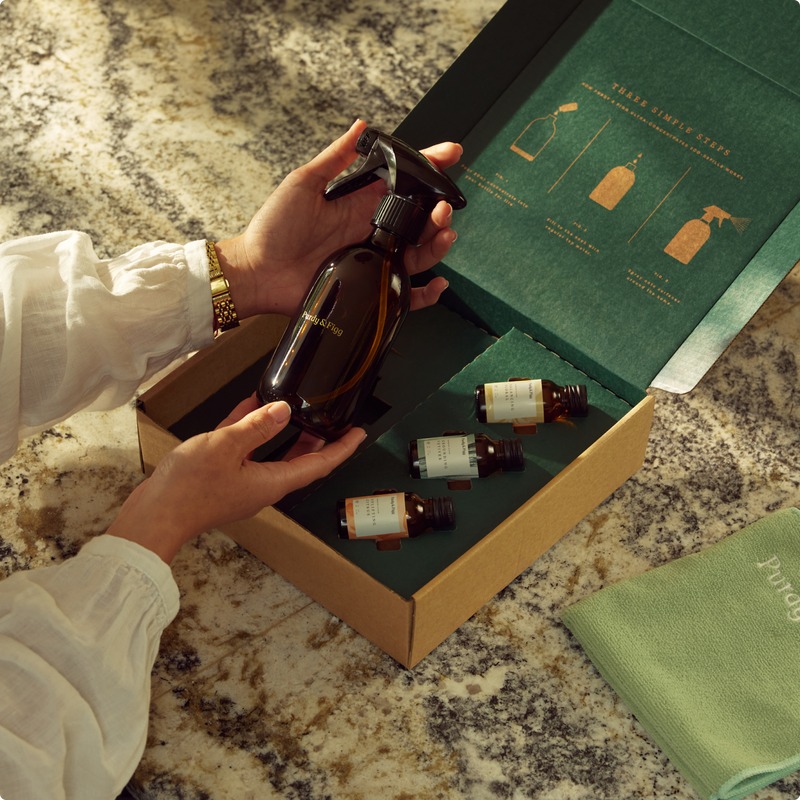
(326, 364)
(694, 234)
(615, 185)
(538, 133)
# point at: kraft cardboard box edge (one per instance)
(503, 554)
(328, 578)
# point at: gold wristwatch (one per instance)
(225, 316)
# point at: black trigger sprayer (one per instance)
(327, 361)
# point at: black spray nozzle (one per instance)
(415, 185)
(366, 140)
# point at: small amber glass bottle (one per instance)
(527, 402)
(393, 515)
(464, 456)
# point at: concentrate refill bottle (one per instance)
(327, 362)
(527, 402)
(463, 456)
(390, 516)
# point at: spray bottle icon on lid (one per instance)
(694, 234)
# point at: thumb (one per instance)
(303, 469)
(337, 156)
(257, 427)
(241, 411)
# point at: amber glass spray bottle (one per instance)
(327, 362)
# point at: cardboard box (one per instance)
(406, 626)
(550, 278)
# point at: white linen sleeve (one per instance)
(77, 644)
(77, 331)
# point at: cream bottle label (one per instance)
(448, 457)
(376, 515)
(520, 402)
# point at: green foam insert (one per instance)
(384, 465)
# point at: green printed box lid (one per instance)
(631, 176)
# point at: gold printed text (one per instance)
(323, 323)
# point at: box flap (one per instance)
(762, 35)
(622, 183)
(732, 311)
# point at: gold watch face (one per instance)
(219, 285)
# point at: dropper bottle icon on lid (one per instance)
(695, 233)
(615, 185)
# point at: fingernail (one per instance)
(454, 237)
(280, 412)
(449, 213)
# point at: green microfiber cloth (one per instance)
(705, 651)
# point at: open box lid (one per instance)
(631, 173)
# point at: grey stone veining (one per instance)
(174, 120)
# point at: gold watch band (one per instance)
(225, 316)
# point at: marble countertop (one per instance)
(174, 119)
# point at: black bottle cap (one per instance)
(514, 455)
(400, 217)
(410, 178)
(576, 401)
(444, 514)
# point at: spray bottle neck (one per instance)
(400, 216)
(386, 240)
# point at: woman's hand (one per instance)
(210, 480)
(271, 265)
